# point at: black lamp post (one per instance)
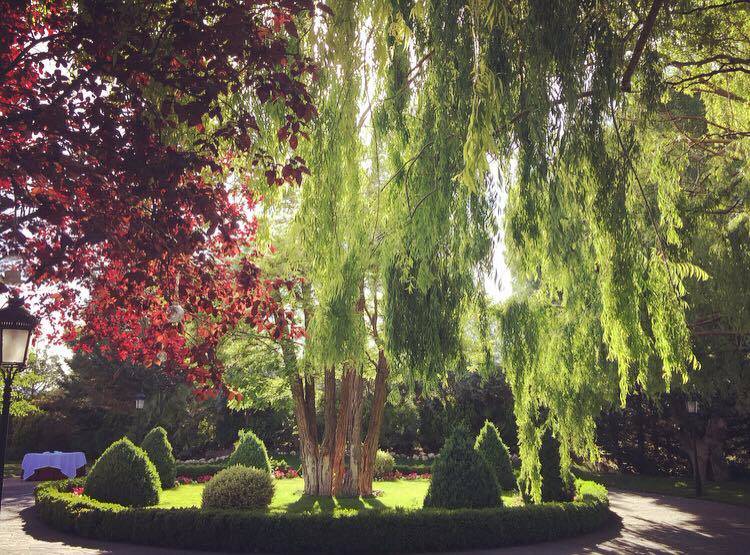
(16, 326)
(692, 408)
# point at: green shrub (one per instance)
(426, 530)
(239, 487)
(554, 486)
(159, 450)
(279, 464)
(384, 463)
(491, 447)
(124, 475)
(250, 451)
(461, 478)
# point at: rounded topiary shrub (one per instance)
(495, 452)
(250, 451)
(159, 450)
(125, 475)
(554, 486)
(384, 464)
(239, 487)
(461, 478)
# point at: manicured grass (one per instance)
(407, 494)
(734, 492)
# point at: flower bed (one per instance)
(366, 531)
(398, 475)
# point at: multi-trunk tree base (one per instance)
(342, 463)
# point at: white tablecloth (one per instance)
(68, 463)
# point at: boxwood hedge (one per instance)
(194, 470)
(367, 531)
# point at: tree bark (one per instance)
(308, 442)
(350, 482)
(325, 486)
(640, 44)
(370, 448)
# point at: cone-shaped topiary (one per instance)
(125, 475)
(461, 478)
(491, 447)
(159, 450)
(554, 487)
(239, 487)
(250, 451)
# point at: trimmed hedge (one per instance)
(159, 450)
(461, 478)
(369, 531)
(495, 452)
(413, 468)
(250, 451)
(194, 470)
(125, 475)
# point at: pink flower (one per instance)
(77, 491)
(184, 480)
(203, 479)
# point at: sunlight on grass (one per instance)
(735, 492)
(406, 494)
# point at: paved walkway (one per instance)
(647, 524)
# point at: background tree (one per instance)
(382, 291)
(129, 163)
(606, 134)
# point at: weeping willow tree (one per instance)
(605, 119)
(386, 243)
(582, 103)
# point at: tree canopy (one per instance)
(612, 136)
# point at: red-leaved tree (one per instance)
(120, 122)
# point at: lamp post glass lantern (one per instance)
(140, 400)
(16, 327)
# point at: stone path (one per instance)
(647, 523)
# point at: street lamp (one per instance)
(140, 399)
(16, 326)
(692, 407)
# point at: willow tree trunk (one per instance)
(342, 464)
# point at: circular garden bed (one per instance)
(371, 527)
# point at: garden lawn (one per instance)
(734, 492)
(407, 494)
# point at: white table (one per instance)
(67, 463)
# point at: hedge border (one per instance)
(376, 531)
(194, 470)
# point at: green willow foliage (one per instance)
(441, 232)
(381, 218)
(420, 100)
(330, 216)
(593, 222)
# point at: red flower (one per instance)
(77, 491)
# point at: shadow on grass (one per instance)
(328, 505)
